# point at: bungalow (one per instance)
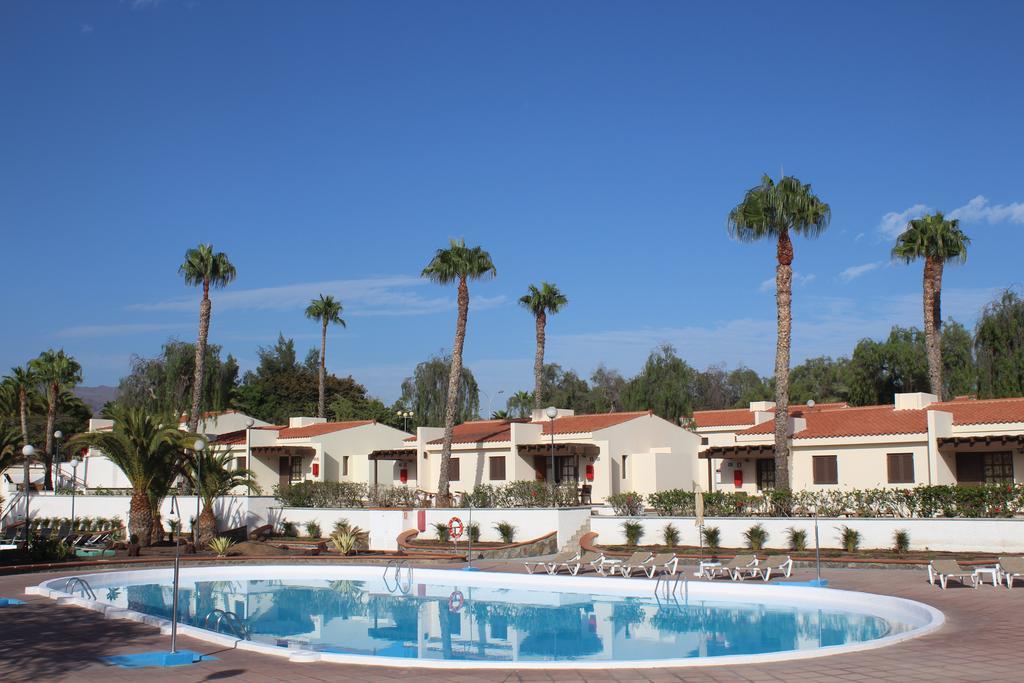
(916, 440)
(612, 452)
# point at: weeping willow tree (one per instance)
(666, 385)
(163, 384)
(426, 393)
(999, 347)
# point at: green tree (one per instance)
(520, 404)
(821, 380)
(426, 393)
(999, 347)
(747, 386)
(164, 383)
(206, 268)
(327, 310)
(959, 370)
(149, 450)
(214, 476)
(23, 381)
(666, 385)
(459, 264)
(772, 211)
(607, 388)
(540, 302)
(938, 241)
(565, 389)
(57, 371)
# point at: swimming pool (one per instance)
(452, 619)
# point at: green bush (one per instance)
(670, 535)
(712, 537)
(628, 504)
(849, 539)
(473, 530)
(756, 537)
(633, 531)
(673, 503)
(288, 528)
(901, 541)
(521, 494)
(797, 539)
(313, 529)
(441, 529)
(507, 531)
(48, 550)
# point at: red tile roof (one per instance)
(320, 429)
(866, 421)
(489, 431)
(983, 411)
(723, 418)
(480, 431)
(580, 424)
(207, 415)
(237, 437)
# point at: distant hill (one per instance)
(96, 397)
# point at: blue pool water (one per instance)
(494, 623)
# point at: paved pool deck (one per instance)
(982, 640)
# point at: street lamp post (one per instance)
(27, 451)
(198, 447)
(57, 435)
(248, 453)
(74, 476)
(552, 413)
(405, 415)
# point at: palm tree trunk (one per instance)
(23, 409)
(932, 321)
(538, 362)
(323, 369)
(200, 370)
(207, 524)
(51, 420)
(454, 378)
(158, 524)
(784, 311)
(140, 518)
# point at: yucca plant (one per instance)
(474, 532)
(633, 531)
(797, 538)
(313, 529)
(712, 537)
(849, 538)
(100, 523)
(221, 545)
(345, 542)
(670, 534)
(901, 541)
(441, 529)
(756, 537)
(506, 530)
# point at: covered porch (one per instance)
(565, 463)
(400, 465)
(988, 459)
(750, 466)
(284, 465)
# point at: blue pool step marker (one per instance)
(161, 659)
(8, 602)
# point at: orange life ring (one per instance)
(455, 528)
(456, 601)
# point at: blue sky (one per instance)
(333, 146)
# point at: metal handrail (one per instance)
(398, 565)
(670, 582)
(82, 584)
(221, 616)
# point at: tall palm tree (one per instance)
(10, 447)
(217, 479)
(57, 371)
(327, 310)
(938, 240)
(540, 302)
(203, 266)
(458, 263)
(772, 211)
(149, 450)
(24, 382)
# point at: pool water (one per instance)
(454, 620)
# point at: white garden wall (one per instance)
(979, 535)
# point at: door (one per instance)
(540, 466)
(284, 471)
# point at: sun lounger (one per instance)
(572, 565)
(1011, 568)
(665, 563)
(736, 568)
(944, 570)
(535, 565)
(589, 559)
(636, 562)
(779, 564)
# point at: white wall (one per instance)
(978, 535)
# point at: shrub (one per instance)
(313, 529)
(712, 537)
(797, 538)
(901, 541)
(322, 494)
(673, 502)
(670, 534)
(633, 531)
(474, 532)
(287, 528)
(100, 524)
(628, 504)
(756, 537)
(507, 531)
(441, 529)
(48, 550)
(174, 525)
(345, 542)
(849, 539)
(220, 545)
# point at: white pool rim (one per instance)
(888, 607)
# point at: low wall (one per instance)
(952, 535)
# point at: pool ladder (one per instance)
(398, 565)
(229, 619)
(668, 584)
(80, 583)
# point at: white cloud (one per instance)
(799, 280)
(978, 210)
(145, 4)
(893, 223)
(118, 329)
(86, 28)
(380, 296)
(854, 272)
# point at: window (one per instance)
(240, 463)
(453, 470)
(497, 468)
(825, 469)
(296, 469)
(703, 441)
(765, 474)
(901, 468)
(625, 467)
(984, 468)
(344, 466)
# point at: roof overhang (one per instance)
(563, 449)
(400, 454)
(984, 440)
(738, 451)
(283, 450)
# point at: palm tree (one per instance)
(57, 371)
(458, 263)
(540, 302)
(24, 382)
(773, 211)
(519, 404)
(327, 310)
(938, 240)
(204, 267)
(217, 479)
(10, 450)
(149, 450)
